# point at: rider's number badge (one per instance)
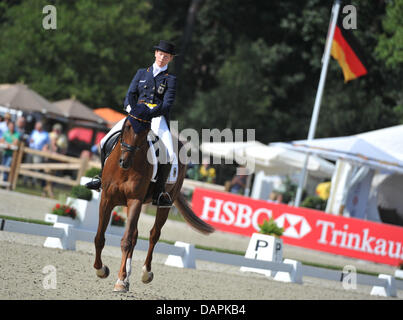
(161, 88)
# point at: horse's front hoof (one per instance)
(121, 286)
(103, 272)
(147, 276)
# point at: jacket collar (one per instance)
(158, 69)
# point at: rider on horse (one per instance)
(155, 88)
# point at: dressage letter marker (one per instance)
(266, 248)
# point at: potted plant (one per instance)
(271, 228)
(117, 220)
(271, 232)
(117, 224)
(87, 210)
(314, 202)
(81, 192)
(92, 172)
(62, 213)
(265, 245)
(89, 174)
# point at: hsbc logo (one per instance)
(294, 226)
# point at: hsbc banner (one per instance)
(312, 229)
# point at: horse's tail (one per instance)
(190, 217)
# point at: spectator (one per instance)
(38, 140)
(10, 137)
(275, 196)
(192, 171)
(206, 172)
(58, 140)
(4, 124)
(238, 183)
(20, 127)
(57, 144)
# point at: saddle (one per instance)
(154, 152)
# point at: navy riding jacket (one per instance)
(160, 90)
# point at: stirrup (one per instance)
(161, 198)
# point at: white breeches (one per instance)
(158, 125)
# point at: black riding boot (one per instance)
(161, 198)
(96, 182)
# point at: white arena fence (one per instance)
(184, 255)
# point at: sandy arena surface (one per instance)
(23, 259)
(76, 279)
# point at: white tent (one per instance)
(280, 161)
(226, 150)
(270, 160)
(380, 149)
(359, 158)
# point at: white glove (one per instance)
(128, 108)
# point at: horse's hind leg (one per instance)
(105, 209)
(160, 219)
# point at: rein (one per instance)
(142, 120)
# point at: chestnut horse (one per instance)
(126, 182)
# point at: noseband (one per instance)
(125, 147)
(128, 148)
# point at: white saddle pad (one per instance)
(173, 175)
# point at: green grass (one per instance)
(152, 210)
(26, 220)
(59, 192)
(337, 268)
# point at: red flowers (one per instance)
(117, 220)
(64, 210)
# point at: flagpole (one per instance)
(318, 99)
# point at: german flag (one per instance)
(346, 50)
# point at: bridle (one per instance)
(125, 147)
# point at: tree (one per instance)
(93, 54)
(390, 45)
(258, 67)
(390, 50)
(245, 66)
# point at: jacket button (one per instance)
(145, 87)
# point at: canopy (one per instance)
(109, 115)
(380, 149)
(84, 134)
(270, 160)
(20, 97)
(75, 110)
(225, 150)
